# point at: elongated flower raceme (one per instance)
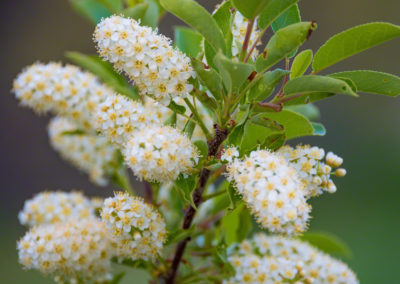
(315, 173)
(276, 259)
(56, 207)
(88, 152)
(137, 228)
(118, 117)
(145, 56)
(272, 190)
(63, 90)
(78, 251)
(160, 153)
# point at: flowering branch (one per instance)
(213, 147)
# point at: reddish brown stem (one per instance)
(213, 147)
(246, 41)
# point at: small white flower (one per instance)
(160, 153)
(137, 228)
(88, 152)
(75, 250)
(63, 90)
(272, 190)
(146, 57)
(315, 174)
(230, 154)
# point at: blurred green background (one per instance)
(365, 211)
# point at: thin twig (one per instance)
(246, 41)
(148, 192)
(213, 147)
(198, 118)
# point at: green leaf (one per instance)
(188, 41)
(223, 17)
(206, 100)
(185, 187)
(266, 85)
(319, 129)
(179, 235)
(236, 224)
(90, 9)
(353, 41)
(328, 243)
(274, 141)
(289, 17)
(117, 278)
(372, 82)
(105, 72)
(203, 148)
(151, 15)
(176, 108)
(208, 78)
(309, 110)
(113, 6)
(250, 8)
(198, 18)
(136, 12)
(189, 128)
(171, 120)
(314, 83)
(301, 63)
(73, 132)
(273, 10)
(285, 41)
(234, 74)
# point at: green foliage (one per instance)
(266, 85)
(314, 83)
(319, 129)
(308, 110)
(250, 8)
(353, 41)
(328, 243)
(188, 41)
(198, 18)
(208, 78)
(234, 74)
(105, 72)
(114, 6)
(272, 10)
(136, 12)
(185, 186)
(152, 14)
(179, 235)
(289, 17)
(117, 278)
(285, 41)
(93, 10)
(236, 224)
(372, 82)
(301, 63)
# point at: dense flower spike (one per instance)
(78, 251)
(160, 153)
(147, 57)
(64, 90)
(56, 207)
(239, 29)
(285, 260)
(117, 117)
(272, 190)
(90, 153)
(315, 174)
(137, 228)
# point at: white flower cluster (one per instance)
(147, 57)
(78, 251)
(315, 174)
(56, 207)
(160, 153)
(272, 190)
(285, 260)
(137, 228)
(63, 90)
(90, 153)
(118, 117)
(239, 29)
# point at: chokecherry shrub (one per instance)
(205, 122)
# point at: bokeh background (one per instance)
(365, 211)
